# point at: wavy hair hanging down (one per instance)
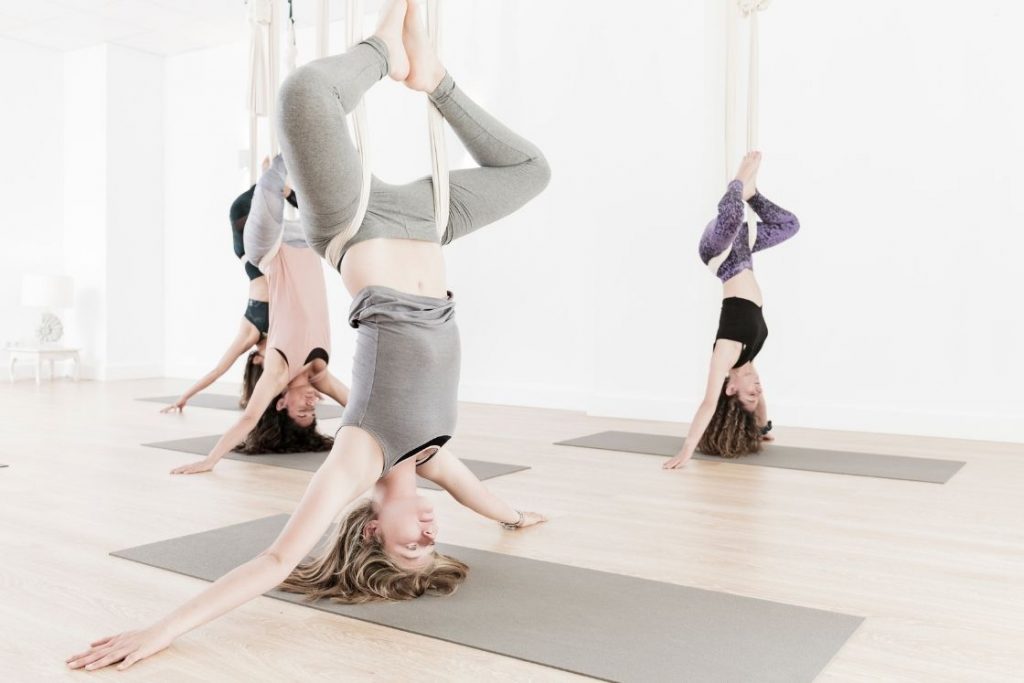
(733, 430)
(275, 432)
(250, 376)
(355, 569)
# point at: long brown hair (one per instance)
(733, 429)
(250, 376)
(355, 569)
(275, 432)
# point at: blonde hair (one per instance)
(355, 569)
(733, 429)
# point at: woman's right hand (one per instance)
(747, 173)
(176, 407)
(127, 648)
(675, 463)
(197, 467)
(265, 165)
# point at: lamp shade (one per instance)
(47, 291)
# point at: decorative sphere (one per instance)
(50, 329)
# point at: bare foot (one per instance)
(747, 173)
(389, 29)
(425, 69)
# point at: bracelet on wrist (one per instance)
(513, 525)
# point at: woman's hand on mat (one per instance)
(126, 648)
(747, 174)
(176, 407)
(204, 465)
(675, 463)
(767, 437)
(532, 519)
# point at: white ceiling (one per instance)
(163, 27)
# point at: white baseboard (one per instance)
(192, 372)
(876, 418)
(534, 396)
(112, 372)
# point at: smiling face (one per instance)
(407, 530)
(300, 403)
(745, 384)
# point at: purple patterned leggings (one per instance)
(776, 226)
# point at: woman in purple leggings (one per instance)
(733, 417)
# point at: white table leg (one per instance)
(75, 371)
(51, 370)
(39, 371)
(14, 361)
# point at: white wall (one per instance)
(113, 210)
(204, 131)
(85, 201)
(30, 177)
(896, 145)
(135, 212)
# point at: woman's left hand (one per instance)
(127, 648)
(532, 519)
(194, 468)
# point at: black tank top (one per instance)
(742, 320)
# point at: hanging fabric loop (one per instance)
(258, 92)
(323, 28)
(435, 125)
(737, 10)
(439, 162)
(264, 27)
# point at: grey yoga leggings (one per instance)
(405, 373)
(327, 175)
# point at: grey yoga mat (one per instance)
(608, 626)
(324, 411)
(310, 462)
(926, 470)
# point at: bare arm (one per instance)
(271, 383)
(328, 384)
(451, 474)
(337, 483)
(244, 340)
(761, 414)
(724, 356)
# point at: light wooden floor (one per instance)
(938, 571)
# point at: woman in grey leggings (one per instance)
(402, 402)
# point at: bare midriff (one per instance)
(743, 285)
(411, 266)
(258, 290)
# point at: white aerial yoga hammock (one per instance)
(438, 156)
(263, 76)
(736, 11)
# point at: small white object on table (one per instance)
(39, 354)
